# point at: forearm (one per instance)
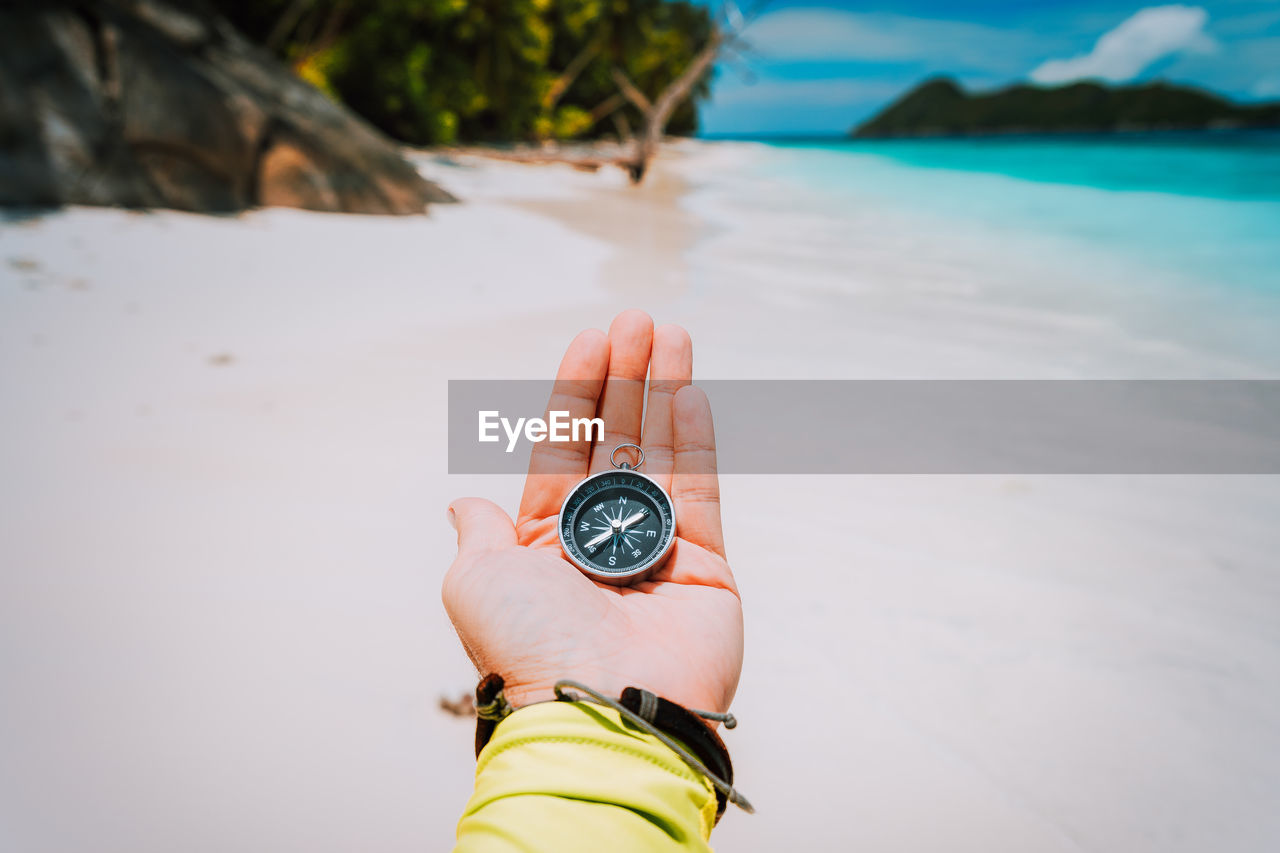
(560, 776)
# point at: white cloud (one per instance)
(1121, 54)
(812, 35)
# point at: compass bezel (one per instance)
(635, 574)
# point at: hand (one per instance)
(525, 612)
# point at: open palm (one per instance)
(523, 611)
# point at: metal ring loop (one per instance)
(639, 461)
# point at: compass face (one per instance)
(617, 526)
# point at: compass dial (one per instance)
(617, 526)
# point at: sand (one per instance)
(223, 478)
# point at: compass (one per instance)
(618, 526)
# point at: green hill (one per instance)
(940, 107)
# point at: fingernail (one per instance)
(452, 518)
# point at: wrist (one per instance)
(520, 691)
(519, 696)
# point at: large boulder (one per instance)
(161, 103)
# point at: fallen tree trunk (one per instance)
(658, 111)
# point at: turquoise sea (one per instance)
(1206, 204)
(1163, 230)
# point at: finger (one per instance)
(671, 368)
(554, 466)
(622, 402)
(695, 485)
(482, 526)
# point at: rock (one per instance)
(160, 103)
(289, 177)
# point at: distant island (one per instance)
(940, 107)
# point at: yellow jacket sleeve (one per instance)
(569, 776)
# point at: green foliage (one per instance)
(443, 71)
(570, 122)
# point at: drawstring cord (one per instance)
(649, 702)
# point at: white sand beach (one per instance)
(223, 482)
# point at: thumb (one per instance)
(482, 525)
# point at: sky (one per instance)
(821, 67)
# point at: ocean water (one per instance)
(1171, 236)
(1208, 205)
